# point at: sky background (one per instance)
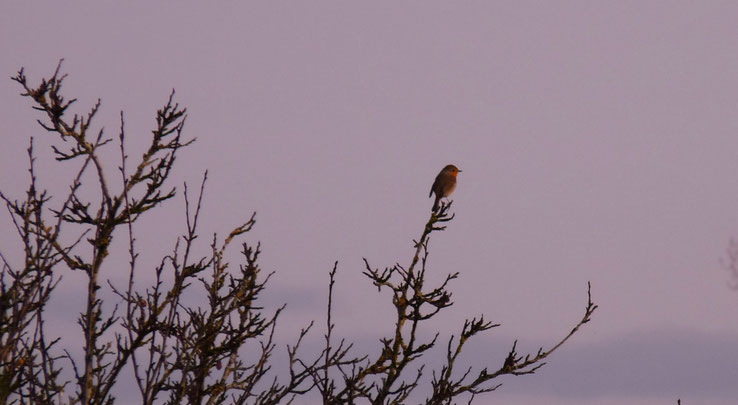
(598, 142)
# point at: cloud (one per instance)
(667, 362)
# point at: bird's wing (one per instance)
(435, 185)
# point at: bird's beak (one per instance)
(460, 170)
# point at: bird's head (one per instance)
(452, 170)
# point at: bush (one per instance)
(194, 353)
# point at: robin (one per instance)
(444, 185)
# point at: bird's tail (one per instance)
(436, 203)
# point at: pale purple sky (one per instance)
(598, 142)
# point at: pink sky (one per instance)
(598, 142)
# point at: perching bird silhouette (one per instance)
(444, 185)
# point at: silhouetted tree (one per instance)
(181, 352)
(732, 263)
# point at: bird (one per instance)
(444, 185)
